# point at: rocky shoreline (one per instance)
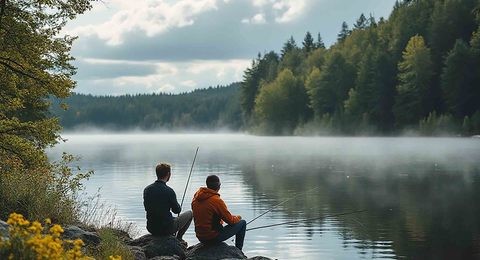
(155, 248)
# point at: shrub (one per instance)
(28, 240)
(46, 192)
(438, 125)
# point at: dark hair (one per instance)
(162, 170)
(213, 182)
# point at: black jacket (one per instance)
(158, 200)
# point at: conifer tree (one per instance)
(361, 23)
(460, 79)
(415, 76)
(308, 44)
(344, 32)
(319, 44)
(289, 46)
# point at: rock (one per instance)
(160, 246)
(3, 229)
(74, 232)
(137, 253)
(211, 252)
(165, 258)
(259, 258)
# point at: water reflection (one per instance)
(420, 194)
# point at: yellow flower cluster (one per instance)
(28, 241)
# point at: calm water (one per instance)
(421, 195)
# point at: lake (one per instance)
(419, 196)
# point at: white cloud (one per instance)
(171, 77)
(152, 17)
(166, 88)
(189, 83)
(256, 19)
(283, 11)
(260, 3)
(289, 9)
(94, 61)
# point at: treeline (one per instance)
(203, 109)
(419, 70)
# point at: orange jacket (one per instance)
(208, 212)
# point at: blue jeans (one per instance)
(237, 229)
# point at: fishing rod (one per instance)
(307, 219)
(283, 202)
(188, 180)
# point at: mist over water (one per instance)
(420, 194)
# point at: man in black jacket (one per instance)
(158, 200)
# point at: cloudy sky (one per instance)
(174, 46)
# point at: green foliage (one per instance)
(471, 125)
(288, 46)
(44, 193)
(344, 32)
(308, 44)
(112, 244)
(393, 73)
(264, 68)
(328, 87)
(366, 94)
(475, 123)
(385, 75)
(437, 125)
(35, 65)
(456, 18)
(281, 104)
(361, 23)
(460, 80)
(211, 108)
(316, 59)
(415, 77)
(292, 60)
(319, 44)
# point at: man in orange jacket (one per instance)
(209, 213)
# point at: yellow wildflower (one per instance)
(27, 241)
(56, 230)
(78, 243)
(17, 220)
(35, 227)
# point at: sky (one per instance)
(154, 46)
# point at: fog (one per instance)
(372, 153)
(416, 190)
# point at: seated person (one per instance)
(209, 213)
(158, 200)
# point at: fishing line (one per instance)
(307, 219)
(274, 207)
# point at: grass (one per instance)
(112, 244)
(52, 191)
